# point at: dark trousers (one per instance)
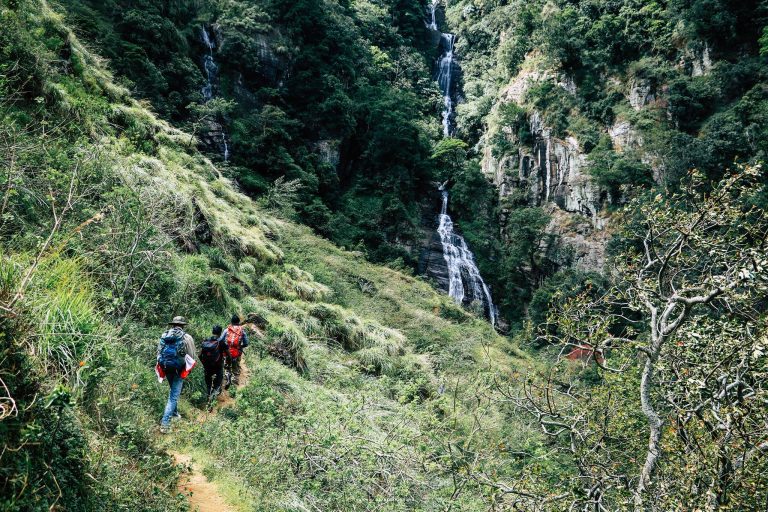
(233, 366)
(213, 376)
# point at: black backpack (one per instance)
(210, 353)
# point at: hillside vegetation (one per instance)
(334, 96)
(638, 92)
(365, 387)
(635, 385)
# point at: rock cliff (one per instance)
(549, 172)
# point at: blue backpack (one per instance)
(172, 350)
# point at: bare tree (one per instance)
(683, 328)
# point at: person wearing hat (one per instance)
(172, 351)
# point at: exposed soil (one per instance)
(203, 494)
(224, 397)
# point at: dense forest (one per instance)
(599, 167)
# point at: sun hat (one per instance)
(178, 320)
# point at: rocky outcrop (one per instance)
(641, 93)
(624, 136)
(272, 65)
(214, 139)
(698, 61)
(553, 170)
(552, 173)
(582, 246)
(432, 263)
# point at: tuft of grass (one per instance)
(287, 343)
(68, 331)
(293, 283)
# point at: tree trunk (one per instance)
(654, 435)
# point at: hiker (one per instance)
(236, 339)
(212, 354)
(175, 359)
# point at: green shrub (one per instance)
(287, 343)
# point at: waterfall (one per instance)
(445, 81)
(465, 284)
(211, 76)
(432, 24)
(462, 269)
(211, 69)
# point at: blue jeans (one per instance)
(175, 382)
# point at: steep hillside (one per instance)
(176, 186)
(334, 97)
(367, 388)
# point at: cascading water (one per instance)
(211, 75)
(445, 81)
(433, 20)
(211, 69)
(465, 284)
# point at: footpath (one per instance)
(203, 494)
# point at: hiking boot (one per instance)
(176, 416)
(165, 429)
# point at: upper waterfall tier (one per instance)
(217, 134)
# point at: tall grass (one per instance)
(68, 330)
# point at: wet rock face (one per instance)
(272, 66)
(214, 139)
(553, 170)
(432, 263)
(553, 173)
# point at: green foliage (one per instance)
(121, 225)
(449, 157)
(561, 287)
(292, 74)
(522, 257)
(618, 172)
(690, 257)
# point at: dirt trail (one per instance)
(224, 397)
(245, 375)
(203, 495)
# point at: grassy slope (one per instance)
(326, 441)
(371, 391)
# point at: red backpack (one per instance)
(235, 340)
